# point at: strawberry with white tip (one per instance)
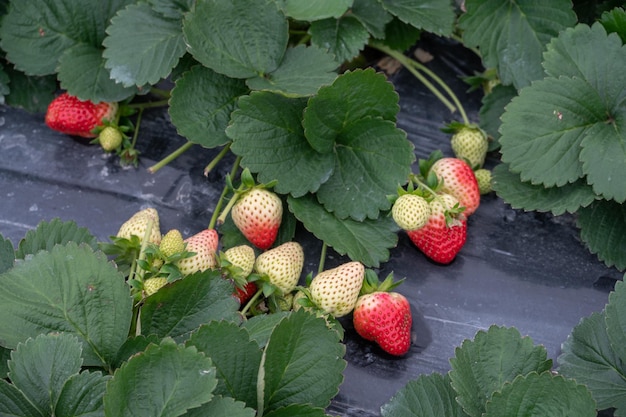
(204, 245)
(258, 215)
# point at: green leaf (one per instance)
(134, 345)
(434, 16)
(40, 367)
(229, 346)
(372, 16)
(201, 104)
(575, 53)
(182, 306)
(173, 378)
(300, 410)
(614, 21)
(267, 133)
(543, 129)
(5, 355)
(7, 254)
(310, 11)
(302, 363)
(557, 200)
(82, 73)
(482, 366)
(55, 232)
(512, 35)
(82, 395)
(221, 406)
(538, 395)
(603, 229)
(30, 93)
(344, 38)
(368, 241)
(4, 85)
(588, 357)
(157, 45)
(372, 158)
(427, 396)
(401, 36)
(616, 320)
(260, 327)
(212, 26)
(353, 96)
(173, 9)
(301, 73)
(36, 33)
(492, 108)
(13, 402)
(70, 289)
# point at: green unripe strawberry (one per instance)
(410, 211)
(110, 138)
(471, 145)
(483, 177)
(172, 243)
(152, 285)
(137, 225)
(336, 290)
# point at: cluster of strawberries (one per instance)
(434, 208)
(269, 281)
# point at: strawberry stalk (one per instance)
(135, 327)
(414, 68)
(251, 302)
(217, 159)
(220, 202)
(169, 158)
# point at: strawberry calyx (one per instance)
(372, 283)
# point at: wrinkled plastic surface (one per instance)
(527, 270)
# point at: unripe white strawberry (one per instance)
(336, 290)
(243, 257)
(470, 144)
(137, 225)
(152, 285)
(282, 265)
(483, 177)
(172, 243)
(410, 211)
(204, 244)
(110, 138)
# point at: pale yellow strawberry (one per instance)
(204, 246)
(470, 144)
(336, 290)
(137, 225)
(152, 285)
(242, 257)
(172, 243)
(410, 211)
(483, 177)
(282, 265)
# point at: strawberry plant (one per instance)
(74, 348)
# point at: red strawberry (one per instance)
(67, 114)
(384, 317)
(204, 245)
(458, 179)
(444, 234)
(258, 214)
(245, 294)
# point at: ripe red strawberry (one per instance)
(385, 318)
(67, 114)
(282, 266)
(137, 225)
(336, 290)
(204, 244)
(258, 214)
(458, 179)
(410, 211)
(444, 234)
(470, 144)
(245, 293)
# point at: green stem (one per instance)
(217, 159)
(160, 92)
(444, 86)
(148, 104)
(217, 209)
(136, 132)
(322, 257)
(169, 158)
(222, 217)
(251, 302)
(407, 63)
